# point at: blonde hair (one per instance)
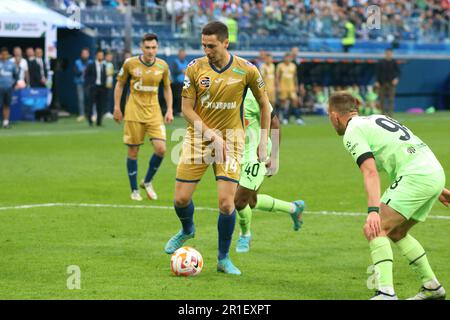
(343, 102)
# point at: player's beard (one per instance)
(211, 60)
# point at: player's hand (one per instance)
(118, 116)
(373, 225)
(262, 152)
(219, 144)
(168, 118)
(445, 197)
(272, 168)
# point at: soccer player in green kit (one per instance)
(252, 176)
(417, 180)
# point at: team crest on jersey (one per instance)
(192, 62)
(137, 72)
(204, 82)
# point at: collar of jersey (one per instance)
(147, 64)
(348, 122)
(224, 68)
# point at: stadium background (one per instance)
(419, 32)
(64, 194)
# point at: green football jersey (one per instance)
(252, 117)
(395, 148)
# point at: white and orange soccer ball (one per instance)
(186, 262)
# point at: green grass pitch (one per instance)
(119, 248)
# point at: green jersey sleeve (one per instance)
(355, 141)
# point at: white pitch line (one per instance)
(125, 206)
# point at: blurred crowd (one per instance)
(292, 89)
(427, 20)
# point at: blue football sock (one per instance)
(225, 226)
(132, 173)
(186, 216)
(155, 161)
(286, 113)
(297, 113)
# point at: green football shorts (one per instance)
(252, 175)
(413, 196)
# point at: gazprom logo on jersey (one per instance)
(219, 105)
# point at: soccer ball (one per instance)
(186, 262)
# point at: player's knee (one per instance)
(387, 228)
(396, 235)
(240, 203)
(133, 153)
(226, 205)
(182, 201)
(252, 201)
(160, 151)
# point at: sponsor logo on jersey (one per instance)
(238, 71)
(192, 62)
(204, 99)
(411, 150)
(186, 82)
(219, 105)
(139, 87)
(233, 81)
(204, 82)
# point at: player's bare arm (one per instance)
(275, 132)
(372, 186)
(265, 107)
(118, 91)
(168, 118)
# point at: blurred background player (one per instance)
(142, 111)
(8, 79)
(253, 173)
(79, 71)
(95, 80)
(417, 181)
(287, 84)
(110, 72)
(23, 75)
(387, 74)
(214, 88)
(267, 69)
(178, 69)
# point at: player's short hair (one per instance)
(343, 102)
(216, 28)
(3, 49)
(149, 37)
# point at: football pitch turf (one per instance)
(64, 200)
